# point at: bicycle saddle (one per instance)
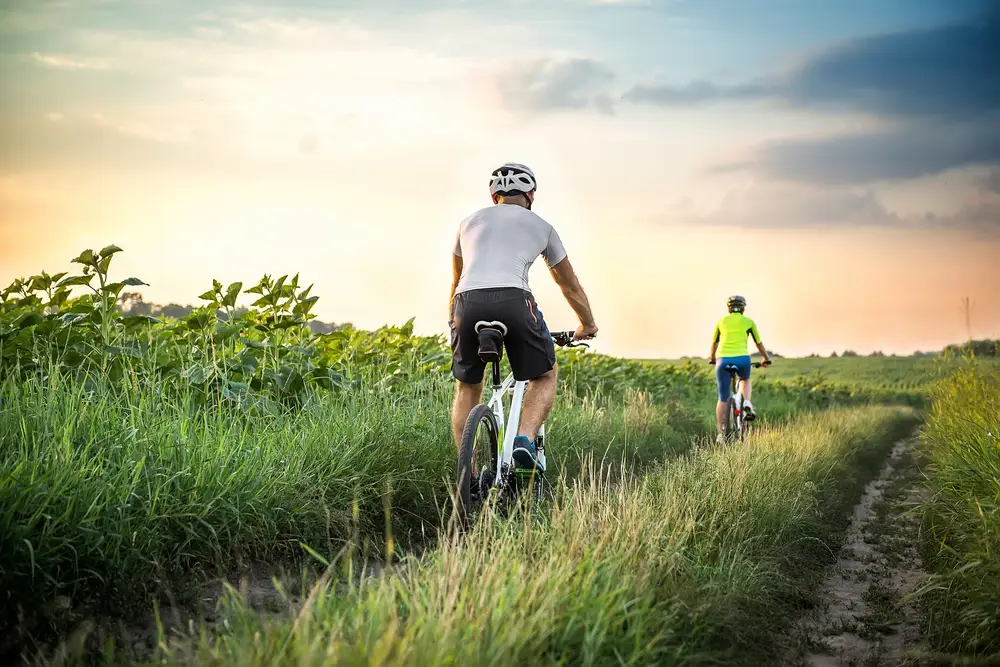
(491, 340)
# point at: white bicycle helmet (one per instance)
(511, 179)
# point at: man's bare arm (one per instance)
(711, 354)
(456, 270)
(763, 352)
(565, 277)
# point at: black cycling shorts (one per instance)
(528, 343)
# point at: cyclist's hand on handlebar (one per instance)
(765, 362)
(711, 360)
(585, 333)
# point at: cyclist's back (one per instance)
(731, 334)
(730, 351)
(498, 245)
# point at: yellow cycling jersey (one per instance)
(731, 333)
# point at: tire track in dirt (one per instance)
(865, 617)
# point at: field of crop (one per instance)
(915, 374)
(141, 459)
(962, 514)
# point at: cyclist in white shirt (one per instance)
(495, 248)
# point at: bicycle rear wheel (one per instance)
(733, 420)
(477, 458)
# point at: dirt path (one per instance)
(865, 618)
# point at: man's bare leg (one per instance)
(538, 400)
(745, 388)
(720, 416)
(467, 396)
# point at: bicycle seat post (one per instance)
(496, 374)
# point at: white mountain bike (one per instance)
(488, 439)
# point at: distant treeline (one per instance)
(979, 348)
(132, 303)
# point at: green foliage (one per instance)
(962, 513)
(264, 354)
(110, 495)
(139, 451)
(701, 563)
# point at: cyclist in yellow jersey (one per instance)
(730, 342)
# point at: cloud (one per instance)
(984, 214)
(903, 152)
(696, 92)
(769, 205)
(991, 182)
(783, 206)
(257, 88)
(936, 90)
(59, 61)
(554, 84)
(940, 72)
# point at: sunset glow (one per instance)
(684, 150)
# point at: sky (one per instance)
(837, 162)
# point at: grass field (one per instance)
(897, 373)
(110, 498)
(962, 515)
(139, 455)
(919, 373)
(140, 458)
(700, 563)
(833, 381)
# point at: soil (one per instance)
(865, 617)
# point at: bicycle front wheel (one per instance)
(477, 457)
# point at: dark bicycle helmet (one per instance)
(736, 304)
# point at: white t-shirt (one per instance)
(498, 245)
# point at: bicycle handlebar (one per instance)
(565, 339)
(756, 364)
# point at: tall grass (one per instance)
(699, 564)
(110, 496)
(962, 514)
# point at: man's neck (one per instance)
(521, 201)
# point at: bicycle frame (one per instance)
(508, 427)
(738, 399)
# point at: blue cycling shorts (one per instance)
(722, 375)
